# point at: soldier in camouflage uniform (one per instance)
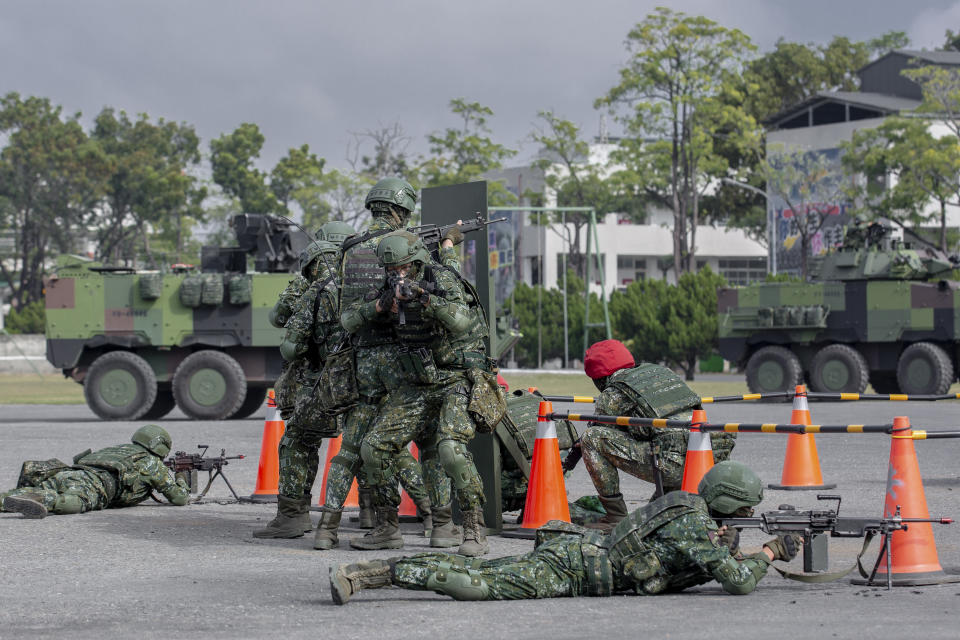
(312, 329)
(442, 345)
(390, 202)
(119, 476)
(670, 544)
(647, 391)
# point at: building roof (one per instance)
(946, 58)
(884, 103)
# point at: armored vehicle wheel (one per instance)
(253, 401)
(209, 385)
(163, 405)
(884, 382)
(838, 368)
(924, 368)
(120, 385)
(773, 368)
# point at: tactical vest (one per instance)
(467, 349)
(361, 273)
(327, 313)
(625, 541)
(121, 463)
(656, 390)
(417, 330)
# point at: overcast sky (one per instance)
(315, 71)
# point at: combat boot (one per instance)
(29, 504)
(386, 535)
(326, 536)
(444, 533)
(474, 534)
(425, 510)
(289, 521)
(347, 579)
(616, 510)
(368, 515)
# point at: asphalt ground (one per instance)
(156, 571)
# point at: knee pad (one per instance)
(453, 457)
(459, 584)
(377, 467)
(67, 504)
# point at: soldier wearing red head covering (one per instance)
(646, 391)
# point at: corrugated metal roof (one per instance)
(947, 58)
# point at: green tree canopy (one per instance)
(232, 157)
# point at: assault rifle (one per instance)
(814, 525)
(191, 463)
(432, 235)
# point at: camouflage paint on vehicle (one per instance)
(873, 312)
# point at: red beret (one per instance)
(605, 357)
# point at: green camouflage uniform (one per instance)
(432, 411)
(669, 545)
(291, 375)
(119, 476)
(631, 448)
(377, 372)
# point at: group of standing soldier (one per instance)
(385, 344)
(416, 333)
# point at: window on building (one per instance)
(631, 269)
(742, 271)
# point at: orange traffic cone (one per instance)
(546, 491)
(801, 466)
(699, 458)
(353, 497)
(913, 552)
(268, 471)
(407, 506)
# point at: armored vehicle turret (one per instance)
(875, 310)
(142, 342)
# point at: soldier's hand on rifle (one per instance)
(784, 547)
(453, 236)
(183, 476)
(386, 301)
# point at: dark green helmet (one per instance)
(335, 231)
(400, 248)
(154, 439)
(392, 191)
(729, 486)
(312, 251)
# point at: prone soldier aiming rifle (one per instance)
(191, 463)
(814, 525)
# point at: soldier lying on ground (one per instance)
(645, 391)
(670, 544)
(118, 476)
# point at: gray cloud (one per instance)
(314, 71)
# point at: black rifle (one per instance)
(191, 463)
(432, 235)
(814, 525)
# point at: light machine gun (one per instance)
(815, 525)
(191, 463)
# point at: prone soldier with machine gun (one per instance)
(189, 464)
(814, 525)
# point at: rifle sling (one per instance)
(513, 449)
(811, 578)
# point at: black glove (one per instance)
(385, 301)
(785, 547)
(731, 540)
(454, 235)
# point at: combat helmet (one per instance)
(729, 486)
(312, 251)
(154, 439)
(335, 231)
(400, 248)
(391, 191)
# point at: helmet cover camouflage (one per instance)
(393, 191)
(400, 248)
(154, 439)
(335, 231)
(729, 486)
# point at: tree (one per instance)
(669, 101)
(149, 187)
(810, 184)
(464, 154)
(344, 193)
(921, 167)
(51, 175)
(388, 158)
(231, 158)
(298, 180)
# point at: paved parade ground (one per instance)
(156, 571)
